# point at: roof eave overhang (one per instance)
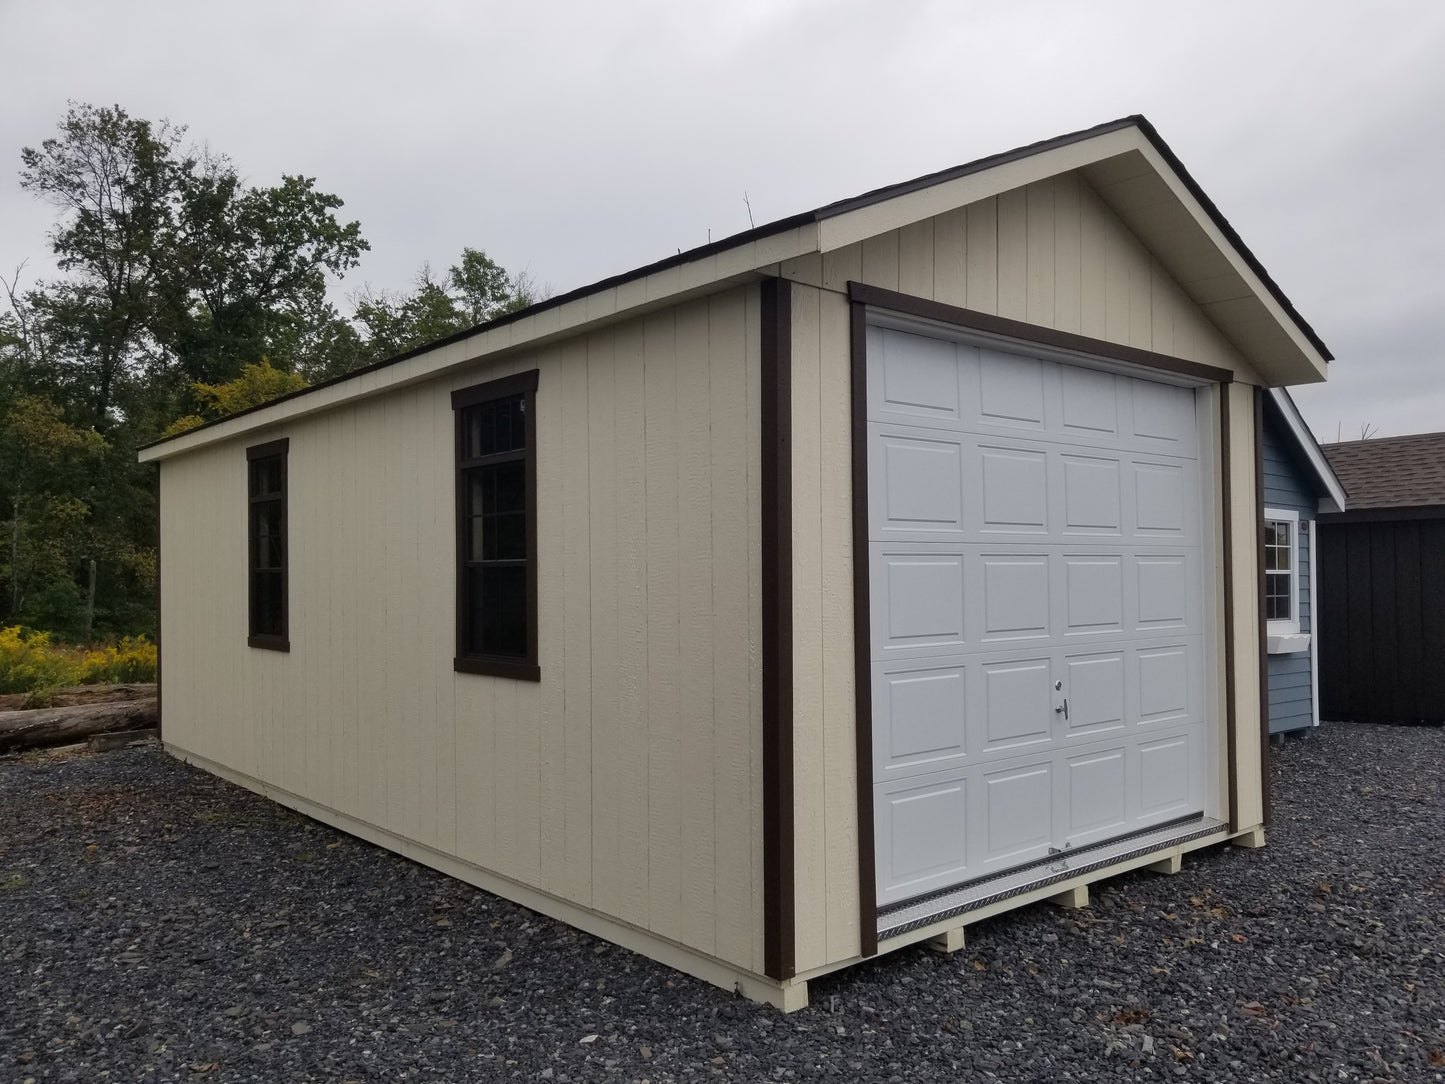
(1167, 211)
(606, 303)
(1142, 182)
(1132, 169)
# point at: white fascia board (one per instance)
(847, 228)
(604, 305)
(1306, 440)
(1257, 289)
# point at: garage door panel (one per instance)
(1015, 595)
(919, 476)
(1095, 684)
(1163, 592)
(1163, 684)
(917, 600)
(918, 713)
(1035, 543)
(1166, 776)
(1162, 417)
(1018, 814)
(922, 838)
(1010, 390)
(1161, 502)
(1096, 805)
(1092, 488)
(1017, 704)
(1094, 594)
(1089, 404)
(1013, 492)
(918, 378)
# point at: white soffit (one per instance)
(1149, 197)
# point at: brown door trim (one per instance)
(862, 630)
(987, 322)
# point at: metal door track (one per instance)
(900, 918)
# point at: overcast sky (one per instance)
(581, 139)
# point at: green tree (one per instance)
(113, 179)
(475, 290)
(46, 468)
(175, 276)
(257, 384)
(176, 271)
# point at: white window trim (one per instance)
(1290, 627)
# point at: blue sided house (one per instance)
(1297, 485)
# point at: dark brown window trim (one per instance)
(779, 899)
(270, 641)
(1264, 754)
(529, 668)
(862, 645)
(926, 309)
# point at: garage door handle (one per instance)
(1063, 709)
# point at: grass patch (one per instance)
(12, 879)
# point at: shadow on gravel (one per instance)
(158, 924)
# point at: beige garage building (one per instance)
(802, 596)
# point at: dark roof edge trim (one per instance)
(1151, 134)
(831, 210)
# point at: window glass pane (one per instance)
(1277, 597)
(497, 597)
(489, 428)
(266, 475)
(509, 537)
(497, 512)
(267, 607)
(509, 487)
(266, 534)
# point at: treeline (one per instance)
(183, 294)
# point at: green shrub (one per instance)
(130, 661)
(29, 662)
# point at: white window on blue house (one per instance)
(1281, 570)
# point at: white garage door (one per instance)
(1037, 620)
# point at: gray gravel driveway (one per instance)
(157, 924)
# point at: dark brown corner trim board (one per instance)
(923, 308)
(862, 627)
(779, 941)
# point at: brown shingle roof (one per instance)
(1391, 472)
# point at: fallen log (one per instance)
(74, 696)
(61, 726)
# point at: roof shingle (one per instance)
(1391, 472)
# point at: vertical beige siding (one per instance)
(627, 781)
(1051, 254)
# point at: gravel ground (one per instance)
(157, 924)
